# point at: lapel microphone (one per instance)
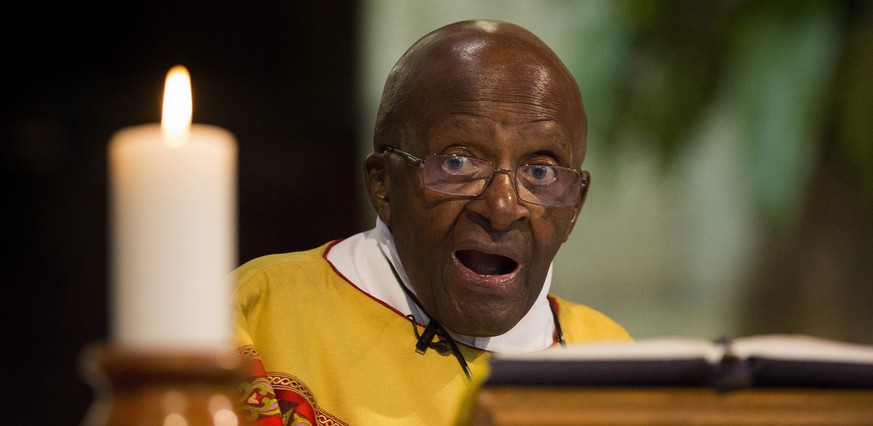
(433, 327)
(427, 336)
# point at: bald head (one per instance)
(463, 67)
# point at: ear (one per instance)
(579, 203)
(378, 185)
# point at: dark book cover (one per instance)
(754, 361)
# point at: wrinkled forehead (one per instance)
(476, 69)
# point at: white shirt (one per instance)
(361, 258)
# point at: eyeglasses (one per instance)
(542, 184)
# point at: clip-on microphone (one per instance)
(427, 336)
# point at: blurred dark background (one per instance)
(277, 74)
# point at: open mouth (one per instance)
(486, 264)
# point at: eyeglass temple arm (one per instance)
(409, 157)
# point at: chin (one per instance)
(480, 328)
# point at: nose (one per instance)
(501, 207)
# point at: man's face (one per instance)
(478, 264)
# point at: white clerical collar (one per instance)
(361, 258)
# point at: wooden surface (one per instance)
(671, 406)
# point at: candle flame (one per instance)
(177, 108)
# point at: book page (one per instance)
(661, 348)
(774, 346)
(799, 347)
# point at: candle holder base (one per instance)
(141, 387)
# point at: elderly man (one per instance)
(475, 177)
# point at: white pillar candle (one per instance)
(173, 219)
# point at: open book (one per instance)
(774, 360)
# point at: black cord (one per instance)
(559, 334)
(424, 341)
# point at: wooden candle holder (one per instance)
(141, 387)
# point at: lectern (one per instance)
(758, 380)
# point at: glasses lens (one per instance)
(551, 186)
(548, 185)
(456, 174)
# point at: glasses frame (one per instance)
(419, 162)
